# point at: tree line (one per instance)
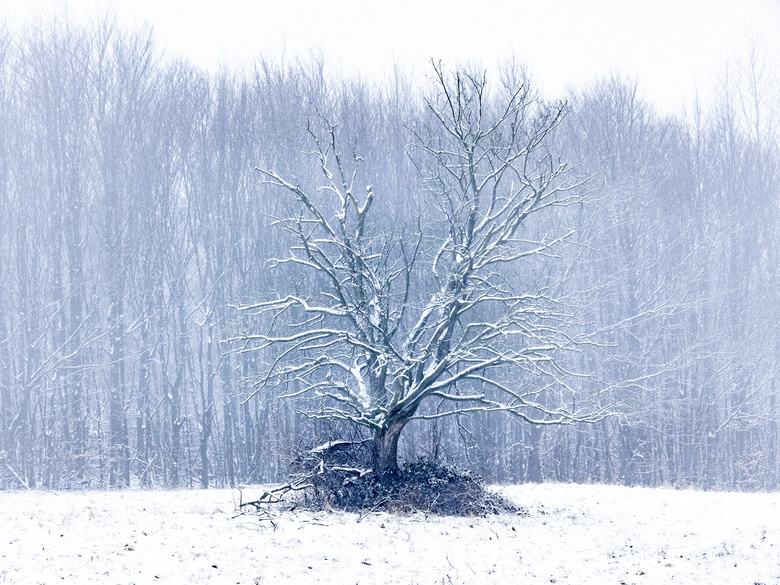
(134, 226)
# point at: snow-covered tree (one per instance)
(432, 308)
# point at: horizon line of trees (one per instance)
(133, 224)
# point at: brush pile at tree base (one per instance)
(422, 485)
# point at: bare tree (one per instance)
(434, 311)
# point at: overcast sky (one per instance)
(672, 47)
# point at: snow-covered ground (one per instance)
(578, 534)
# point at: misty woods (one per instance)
(135, 230)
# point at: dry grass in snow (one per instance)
(571, 534)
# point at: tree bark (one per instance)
(386, 450)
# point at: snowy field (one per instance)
(570, 534)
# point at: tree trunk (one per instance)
(386, 450)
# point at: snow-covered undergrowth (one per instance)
(569, 534)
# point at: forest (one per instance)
(136, 231)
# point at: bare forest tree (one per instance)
(506, 258)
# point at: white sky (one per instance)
(672, 47)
